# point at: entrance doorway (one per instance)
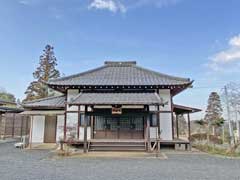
(118, 127)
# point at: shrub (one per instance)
(203, 137)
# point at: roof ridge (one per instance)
(120, 63)
(163, 74)
(42, 99)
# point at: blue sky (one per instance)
(188, 38)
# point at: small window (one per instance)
(153, 120)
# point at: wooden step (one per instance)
(117, 149)
(117, 146)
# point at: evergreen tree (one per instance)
(7, 96)
(213, 116)
(44, 72)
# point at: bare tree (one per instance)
(232, 98)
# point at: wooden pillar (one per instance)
(148, 134)
(172, 117)
(30, 133)
(65, 126)
(21, 125)
(13, 124)
(189, 127)
(159, 130)
(27, 128)
(85, 132)
(158, 121)
(5, 126)
(65, 120)
(78, 124)
(177, 128)
(92, 128)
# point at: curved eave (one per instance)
(175, 88)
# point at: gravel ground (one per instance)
(35, 164)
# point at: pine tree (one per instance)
(213, 116)
(44, 72)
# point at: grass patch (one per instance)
(211, 149)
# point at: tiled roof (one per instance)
(57, 102)
(116, 99)
(120, 73)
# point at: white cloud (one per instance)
(155, 3)
(228, 58)
(29, 2)
(235, 41)
(110, 5)
(24, 2)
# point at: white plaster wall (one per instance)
(60, 128)
(166, 126)
(166, 96)
(81, 133)
(72, 93)
(72, 124)
(38, 129)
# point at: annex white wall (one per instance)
(71, 94)
(38, 129)
(166, 126)
(166, 96)
(60, 128)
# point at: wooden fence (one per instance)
(14, 125)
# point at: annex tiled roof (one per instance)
(56, 102)
(3, 102)
(120, 73)
(116, 99)
(10, 110)
(180, 109)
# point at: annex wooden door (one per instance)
(50, 129)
